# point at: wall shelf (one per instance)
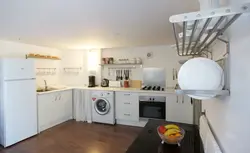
(119, 64)
(43, 57)
(122, 65)
(200, 29)
(204, 93)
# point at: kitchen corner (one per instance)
(64, 94)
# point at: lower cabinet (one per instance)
(179, 108)
(126, 106)
(54, 108)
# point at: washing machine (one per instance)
(103, 107)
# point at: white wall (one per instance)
(70, 59)
(93, 64)
(13, 49)
(229, 116)
(74, 59)
(163, 56)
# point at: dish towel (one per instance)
(209, 143)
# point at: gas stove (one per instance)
(154, 88)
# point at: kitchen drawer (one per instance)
(127, 114)
(127, 106)
(126, 96)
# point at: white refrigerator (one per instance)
(18, 106)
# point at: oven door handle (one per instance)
(143, 101)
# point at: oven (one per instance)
(152, 107)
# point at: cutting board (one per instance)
(135, 83)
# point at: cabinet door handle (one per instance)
(60, 97)
(127, 103)
(126, 94)
(127, 114)
(56, 98)
(177, 99)
(182, 99)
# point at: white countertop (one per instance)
(58, 90)
(167, 91)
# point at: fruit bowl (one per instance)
(171, 134)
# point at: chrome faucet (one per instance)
(46, 87)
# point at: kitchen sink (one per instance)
(49, 89)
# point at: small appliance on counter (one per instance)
(126, 83)
(91, 81)
(114, 83)
(105, 83)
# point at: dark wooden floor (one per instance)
(78, 137)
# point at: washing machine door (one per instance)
(102, 106)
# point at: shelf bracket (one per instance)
(227, 45)
(207, 26)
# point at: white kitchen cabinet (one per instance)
(65, 102)
(179, 109)
(54, 108)
(127, 106)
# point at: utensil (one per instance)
(128, 74)
(121, 76)
(173, 74)
(117, 73)
(125, 74)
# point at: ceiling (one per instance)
(83, 24)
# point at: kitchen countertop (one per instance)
(138, 90)
(148, 141)
(57, 90)
(130, 90)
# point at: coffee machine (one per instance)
(91, 81)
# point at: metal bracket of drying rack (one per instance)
(205, 36)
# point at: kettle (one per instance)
(105, 83)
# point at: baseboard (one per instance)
(54, 123)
